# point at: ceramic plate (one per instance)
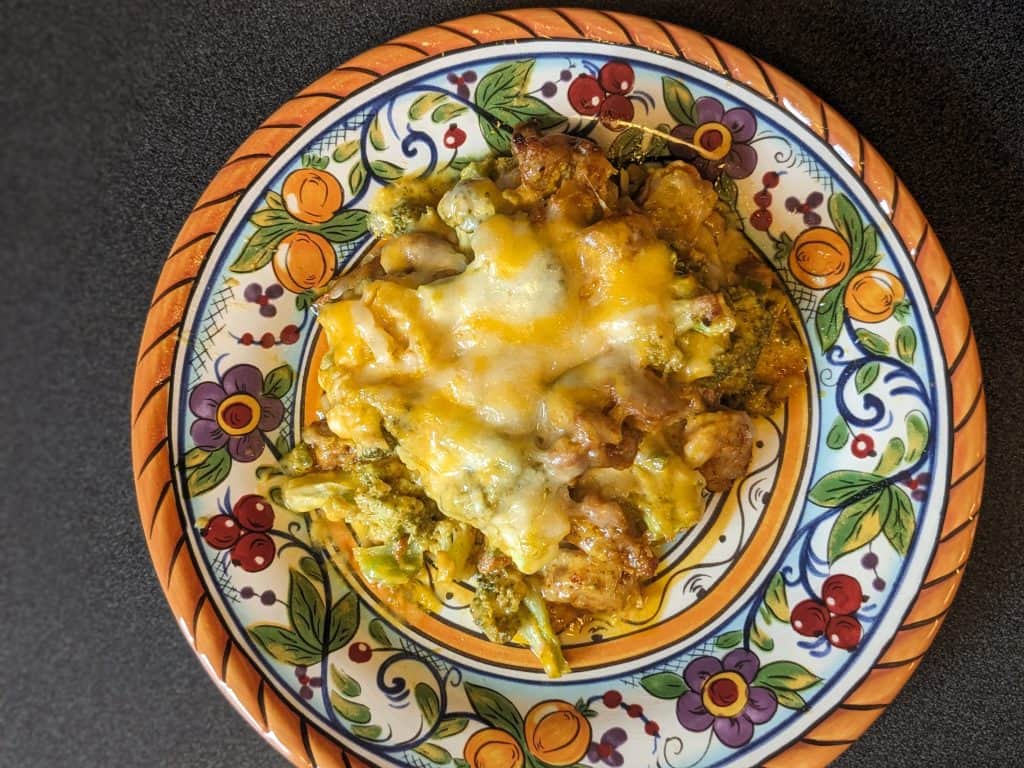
(778, 629)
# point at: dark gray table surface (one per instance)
(114, 116)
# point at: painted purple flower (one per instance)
(721, 697)
(234, 413)
(720, 141)
(606, 751)
(307, 683)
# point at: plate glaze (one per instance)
(857, 513)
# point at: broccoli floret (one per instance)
(397, 220)
(764, 350)
(495, 606)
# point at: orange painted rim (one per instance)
(302, 742)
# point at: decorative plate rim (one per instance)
(287, 730)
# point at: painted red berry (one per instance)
(844, 632)
(359, 653)
(267, 340)
(604, 750)
(809, 618)
(763, 199)
(842, 594)
(862, 446)
(770, 180)
(246, 339)
(454, 137)
(634, 710)
(221, 532)
(616, 77)
(586, 95)
(616, 112)
(651, 728)
(761, 219)
(253, 552)
(612, 699)
(254, 513)
(290, 334)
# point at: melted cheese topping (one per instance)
(461, 371)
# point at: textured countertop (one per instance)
(114, 116)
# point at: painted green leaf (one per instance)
(664, 685)
(460, 763)
(425, 103)
(906, 344)
(841, 486)
(352, 711)
(917, 435)
(838, 434)
(427, 701)
(387, 171)
(344, 151)
(271, 217)
(679, 101)
(759, 638)
(450, 726)
(727, 190)
(790, 700)
(274, 200)
(627, 147)
(278, 382)
(901, 310)
(729, 639)
(900, 523)
(785, 676)
(284, 645)
(259, 248)
(209, 473)
(866, 376)
(857, 525)
(356, 178)
(195, 458)
(447, 112)
(657, 145)
(434, 753)
(782, 249)
(346, 685)
(370, 732)
(347, 225)
(304, 300)
(309, 567)
(305, 609)
(343, 622)
(775, 598)
(847, 222)
(765, 613)
(872, 342)
(494, 708)
(829, 319)
(376, 134)
(458, 163)
(379, 633)
(502, 94)
(891, 457)
(869, 255)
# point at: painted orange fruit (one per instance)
(872, 296)
(493, 748)
(304, 260)
(312, 195)
(820, 258)
(557, 733)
